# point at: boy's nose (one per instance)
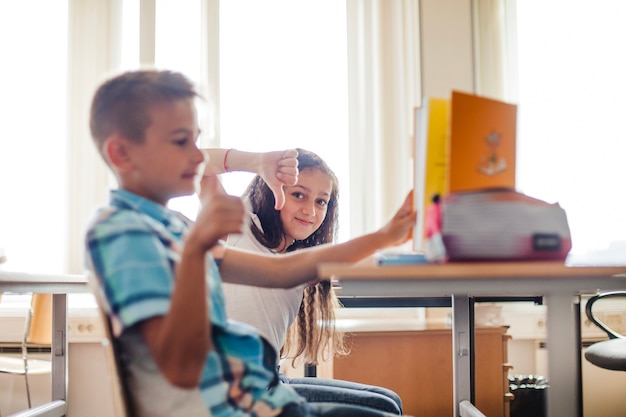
(200, 156)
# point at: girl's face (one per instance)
(305, 206)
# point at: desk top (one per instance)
(466, 270)
(476, 278)
(42, 283)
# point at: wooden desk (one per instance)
(559, 285)
(59, 286)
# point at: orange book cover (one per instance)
(482, 143)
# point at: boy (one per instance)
(159, 275)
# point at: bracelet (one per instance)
(226, 156)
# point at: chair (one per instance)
(122, 404)
(37, 331)
(608, 354)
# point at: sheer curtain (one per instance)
(95, 53)
(385, 86)
(490, 45)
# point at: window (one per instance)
(283, 81)
(571, 111)
(33, 150)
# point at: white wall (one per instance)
(446, 43)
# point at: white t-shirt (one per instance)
(270, 310)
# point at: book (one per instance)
(482, 143)
(431, 127)
(402, 259)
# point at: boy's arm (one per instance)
(301, 266)
(180, 340)
(277, 168)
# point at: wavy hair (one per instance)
(313, 335)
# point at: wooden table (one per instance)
(59, 286)
(560, 286)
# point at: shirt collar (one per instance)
(127, 199)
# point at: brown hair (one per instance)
(121, 103)
(313, 334)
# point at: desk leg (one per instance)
(59, 347)
(462, 350)
(563, 356)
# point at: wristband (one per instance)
(226, 156)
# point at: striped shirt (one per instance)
(133, 246)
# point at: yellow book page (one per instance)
(431, 144)
(436, 150)
(482, 143)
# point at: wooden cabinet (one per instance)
(418, 366)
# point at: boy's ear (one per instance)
(116, 149)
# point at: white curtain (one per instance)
(495, 60)
(94, 53)
(209, 86)
(384, 87)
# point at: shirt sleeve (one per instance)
(135, 267)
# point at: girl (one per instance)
(299, 322)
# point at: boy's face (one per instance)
(165, 165)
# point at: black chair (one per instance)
(608, 354)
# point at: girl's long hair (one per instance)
(313, 335)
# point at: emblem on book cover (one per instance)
(492, 163)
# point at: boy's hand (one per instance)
(399, 229)
(221, 214)
(278, 169)
(210, 186)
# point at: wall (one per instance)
(446, 43)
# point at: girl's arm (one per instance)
(301, 266)
(276, 168)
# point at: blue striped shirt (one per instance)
(133, 246)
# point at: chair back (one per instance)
(122, 404)
(591, 315)
(39, 327)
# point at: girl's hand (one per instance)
(278, 169)
(399, 229)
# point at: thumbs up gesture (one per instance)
(220, 215)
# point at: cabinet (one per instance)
(418, 366)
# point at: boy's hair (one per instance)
(313, 335)
(121, 104)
